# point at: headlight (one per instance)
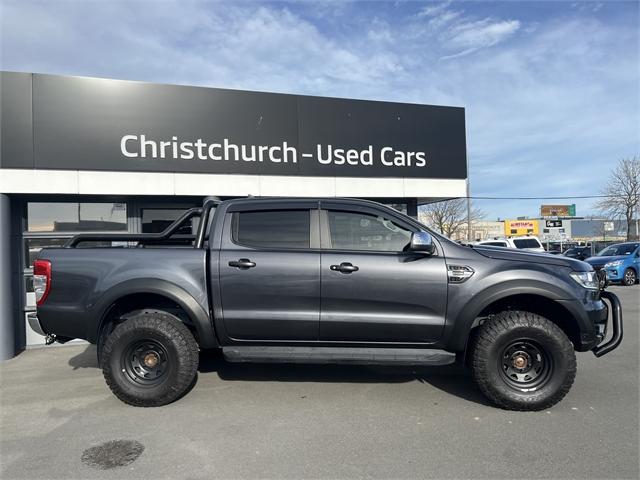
(615, 263)
(586, 279)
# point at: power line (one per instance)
(473, 197)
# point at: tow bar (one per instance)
(616, 314)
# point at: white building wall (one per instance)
(153, 183)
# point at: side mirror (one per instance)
(422, 242)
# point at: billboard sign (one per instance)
(521, 227)
(558, 210)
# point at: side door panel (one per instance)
(393, 297)
(276, 299)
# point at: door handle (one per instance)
(344, 267)
(242, 264)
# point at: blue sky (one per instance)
(551, 89)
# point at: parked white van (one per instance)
(530, 243)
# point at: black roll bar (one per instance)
(145, 238)
(208, 205)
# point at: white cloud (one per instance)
(472, 36)
(434, 9)
(444, 18)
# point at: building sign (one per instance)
(78, 123)
(558, 210)
(521, 227)
(553, 223)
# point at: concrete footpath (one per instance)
(297, 421)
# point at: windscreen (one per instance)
(622, 249)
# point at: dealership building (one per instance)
(82, 154)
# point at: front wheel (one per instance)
(522, 361)
(629, 277)
(149, 360)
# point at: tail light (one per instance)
(41, 280)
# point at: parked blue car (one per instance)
(621, 262)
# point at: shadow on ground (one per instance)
(452, 379)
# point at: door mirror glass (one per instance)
(422, 242)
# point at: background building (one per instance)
(96, 155)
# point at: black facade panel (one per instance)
(16, 127)
(98, 124)
(401, 129)
(79, 123)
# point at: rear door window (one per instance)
(272, 228)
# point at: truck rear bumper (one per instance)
(616, 323)
(34, 323)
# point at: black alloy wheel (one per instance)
(146, 362)
(525, 364)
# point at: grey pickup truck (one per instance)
(321, 281)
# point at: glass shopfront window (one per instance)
(156, 220)
(401, 207)
(64, 217)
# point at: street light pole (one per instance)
(468, 214)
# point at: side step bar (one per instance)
(322, 355)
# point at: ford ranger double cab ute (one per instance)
(321, 281)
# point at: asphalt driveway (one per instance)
(296, 421)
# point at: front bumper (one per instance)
(616, 323)
(614, 274)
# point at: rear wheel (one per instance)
(149, 360)
(522, 361)
(629, 278)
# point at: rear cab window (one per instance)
(527, 243)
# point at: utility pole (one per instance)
(468, 202)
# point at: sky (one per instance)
(551, 89)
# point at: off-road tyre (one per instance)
(131, 349)
(513, 338)
(629, 278)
